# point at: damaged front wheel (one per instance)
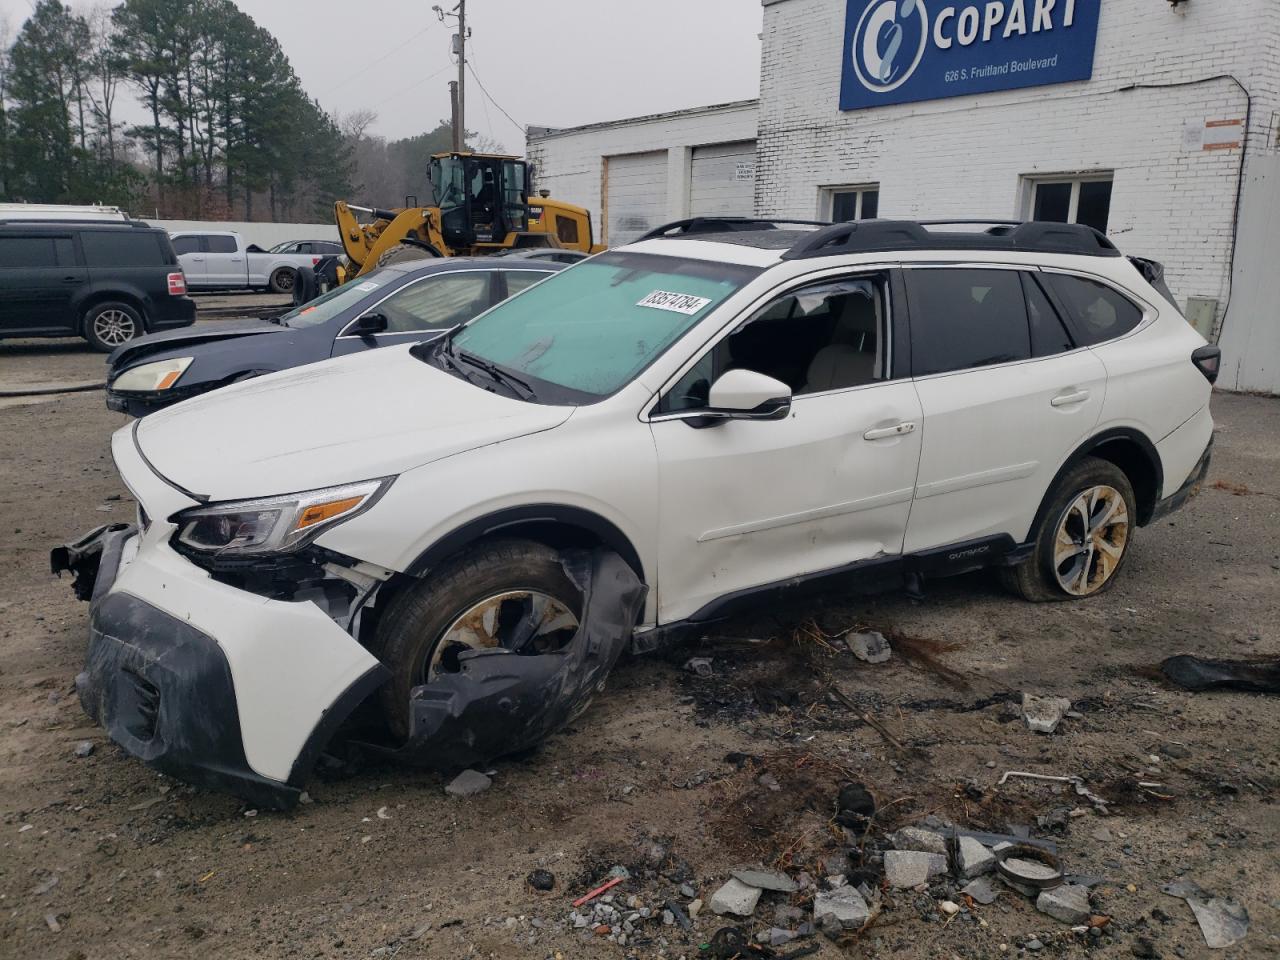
(511, 594)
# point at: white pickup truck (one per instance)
(223, 261)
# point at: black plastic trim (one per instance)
(332, 719)
(696, 225)
(1190, 487)
(1085, 449)
(876, 236)
(515, 517)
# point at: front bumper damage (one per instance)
(229, 690)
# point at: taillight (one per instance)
(177, 284)
(314, 261)
(1208, 360)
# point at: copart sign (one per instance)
(899, 51)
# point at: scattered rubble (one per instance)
(981, 890)
(735, 897)
(845, 904)
(869, 646)
(468, 783)
(909, 868)
(1223, 922)
(1068, 903)
(923, 841)
(973, 858)
(1043, 714)
(764, 879)
(699, 666)
(541, 880)
(84, 748)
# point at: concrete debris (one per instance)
(1043, 714)
(922, 841)
(84, 748)
(869, 646)
(1067, 903)
(950, 908)
(973, 858)
(765, 879)
(1223, 922)
(699, 666)
(777, 937)
(51, 919)
(982, 890)
(735, 897)
(908, 868)
(468, 783)
(845, 904)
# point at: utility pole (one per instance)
(458, 90)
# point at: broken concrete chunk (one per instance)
(869, 646)
(468, 783)
(983, 890)
(845, 904)
(84, 748)
(765, 879)
(735, 897)
(908, 868)
(973, 858)
(1223, 922)
(923, 841)
(1043, 714)
(1068, 903)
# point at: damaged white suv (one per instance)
(460, 538)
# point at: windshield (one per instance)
(279, 247)
(326, 307)
(593, 328)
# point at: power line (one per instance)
(489, 96)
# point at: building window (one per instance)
(851, 203)
(1083, 199)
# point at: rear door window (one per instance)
(122, 248)
(966, 318)
(1048, 335)
(1096, 312)
(30, 252)
(183, 245)
(220, 244)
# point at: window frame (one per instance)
(1148, 309)
(827, 199)
(373, 307)
(499, 295)
(1032, 182)
(896, 333)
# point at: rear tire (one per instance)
(112, 323)
(1083, 537)
(404, 253)
(283, 280)
(463, 599)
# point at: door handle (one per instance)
(1066, 399)
(70, 279)
(883, 433)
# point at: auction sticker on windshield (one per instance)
(675, 302)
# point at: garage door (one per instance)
(637, 195)
(723, 180)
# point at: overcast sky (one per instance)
(546, 62)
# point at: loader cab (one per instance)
(482, 198)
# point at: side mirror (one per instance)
(747, 395)
(370, 323)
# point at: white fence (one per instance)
(265, 235)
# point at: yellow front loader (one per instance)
(482, 206)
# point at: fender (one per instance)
(1085, 449)
(530, 515)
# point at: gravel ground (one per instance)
(100, 857)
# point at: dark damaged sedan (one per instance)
(402, 303)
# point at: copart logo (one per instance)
(889, 42)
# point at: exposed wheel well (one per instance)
(1140, 465)
(553, 525)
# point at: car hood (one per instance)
(147, 347)
(353, 418)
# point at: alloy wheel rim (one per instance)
(285, 280)
(114, 327)
(1091, 538)
(526, 621)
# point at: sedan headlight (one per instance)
(275, 524)
(152, 377)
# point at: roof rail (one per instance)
(53, 224)
(877, 236)
(682, 228)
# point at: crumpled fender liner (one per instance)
(501, 702)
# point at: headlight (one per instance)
(152, 377)
(275, 524)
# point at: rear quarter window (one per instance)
(123, 248)
(1096, 312)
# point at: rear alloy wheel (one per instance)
(511, 594)
(283, 279)
(109, 325)
(404, 253)
(1083, 536)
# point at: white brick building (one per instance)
(1153, 143)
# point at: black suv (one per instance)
(105, 281)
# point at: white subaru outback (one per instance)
(461, 537)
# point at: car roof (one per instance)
(62, 226)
